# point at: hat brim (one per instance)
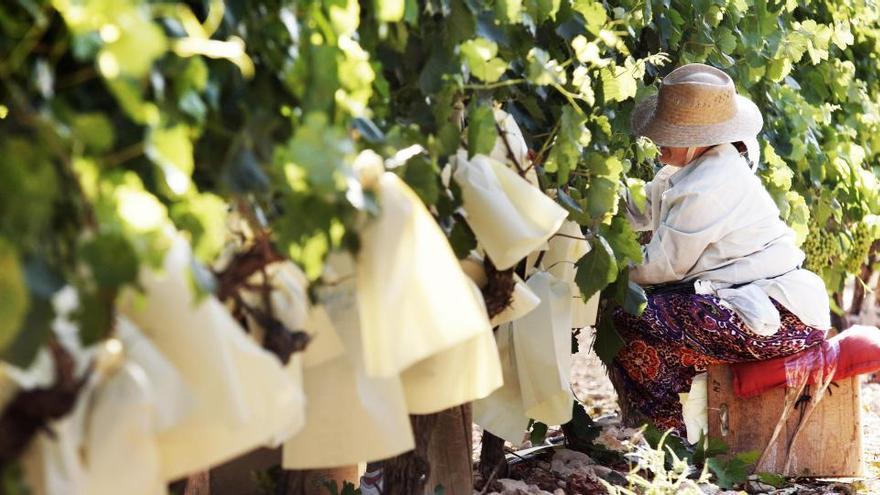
(746, 124)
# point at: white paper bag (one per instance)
(290, 303)
(413, 297)
(243, 397)
(510, 217)
(502, 413)
(510, 144)
(108, 443)
(121, 452)
(542, 342)
(52, 464)
(522, 301)
(464, 373)
(123, 415)
(566, 247)
(173, 399)
(325, 343)
(695, 408)
(350, 417)
(583, 313)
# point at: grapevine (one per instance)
(822, 249)
(862, 239)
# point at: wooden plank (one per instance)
(450, 452)
(830, 444)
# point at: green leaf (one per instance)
(725, 40)
(390, 10)
(608, 342)
(462, 240)
(423, 177)
(602, 198)
(538, 433)
(318, 154)
(43, 282)
(594, 13)
(542, 10)
(582, 81)
(566, 151)
(95, 316)
(94, 130)
(618, 83)
(481, 130)
(636, 189)
(310, 254)
(842, 36)
(798, 217)
(509, 11)
(14, 299)
(448, 139)
(629, 295)
(23, 349)
(171, 149)
(597, 269)
(111, 258)
(623, 241)
(734, 471)
(138, 43)
(772, 479)
(707, 447)
(543, 69)
(204, 217)
(28, 191)
(588, 52)
(636, 300)
(480, 57)
(601, 165)
(673, 443)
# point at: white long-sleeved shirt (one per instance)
(715, 224)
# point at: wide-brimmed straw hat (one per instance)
(697, 106)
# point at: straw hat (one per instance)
(697, 106)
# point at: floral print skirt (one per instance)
(678, 336)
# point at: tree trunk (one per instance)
(859, 292)
(451, 452)
(839, 322)
(407, 474)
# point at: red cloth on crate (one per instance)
(855, 351)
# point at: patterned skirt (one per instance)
(678, 336)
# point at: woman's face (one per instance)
(678, 157)
(673, 156)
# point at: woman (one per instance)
(722, 271)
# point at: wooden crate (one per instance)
(830, 444)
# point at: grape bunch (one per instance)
(862, 238)
(821, 247)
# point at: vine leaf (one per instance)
(608, 342)
(597, 269)
(481, 131)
